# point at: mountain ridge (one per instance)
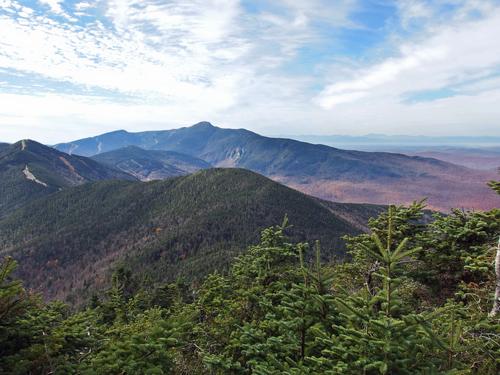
(29, 170)
(183, 226)
(149, 165)
(319, 170)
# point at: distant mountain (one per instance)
(481, 153)
(68, 243)
(319, 170)
(149, 165)
(372, 142)
(3, 146)
(111, 141)
(29, 170)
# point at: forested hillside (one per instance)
(149, 165)
(68, 243)
(136, 238)
(30, 170)
(413, 299)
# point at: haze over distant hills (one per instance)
(473, 152)
(487, 158)
(323, 171)
(402, 141)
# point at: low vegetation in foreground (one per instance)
(416, 297)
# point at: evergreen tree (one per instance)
(413, 298)
(376, 335)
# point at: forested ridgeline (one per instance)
(69, 243)
(415, 297)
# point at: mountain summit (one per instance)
(323, 171)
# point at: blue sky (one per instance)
(70, 69)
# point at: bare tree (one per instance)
(496, 303)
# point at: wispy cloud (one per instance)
(448, 55)
(379, 75)
(54, 5)
(270, 66)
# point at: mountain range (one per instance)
(68, 243)
(481, 153)
(323, 171)
(185, 202)
(371, 141)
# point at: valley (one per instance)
(323, 171)
(186, 202)
(339, 215)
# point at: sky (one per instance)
(70, 69)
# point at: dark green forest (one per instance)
(67, 244)
(54, 170)
(414, 296)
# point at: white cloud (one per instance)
(330, 101)
(88, 115)
(334, 12)
(188, 53)
(451, 56)
(295, 25)
(378, 75)
(182, 68)
(84, 5)
(178, 22)
(160, 64)
(414, 11)
(54, 5)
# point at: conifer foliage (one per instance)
(411, 297)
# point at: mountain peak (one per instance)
(203, 124)
(24, 144)
(31, 170)
(120, 131)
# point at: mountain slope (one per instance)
(323, 171)
(29, 170)
(149, 165)
(187, 226)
